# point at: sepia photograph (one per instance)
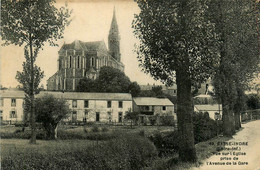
(130, 84)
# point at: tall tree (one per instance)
(32, 23)
(177, 41)
(239, 55)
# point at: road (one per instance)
(242, 155)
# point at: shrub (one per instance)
(166, 145)
(167, 120)
(95, 129)
(205, 128)
(104, 129)
(19, 134)
(125, 152)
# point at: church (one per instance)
(84, 59)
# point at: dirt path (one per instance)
(241, 155)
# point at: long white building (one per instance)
(90, 107)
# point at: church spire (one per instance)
(114, 38)
(114, 26)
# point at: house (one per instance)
(153, 106)
(11, 105)
(214, 110)
(95, 107)
(90, 107)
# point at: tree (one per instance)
(134, 89)
(32, 23)
(239, 56)
(110, 80)
(132, 116)
(50, 111)
(253, 102)
(177, 41)
(25, 80)
(87, 85)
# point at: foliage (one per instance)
(133, 116)
(205, 128)
(50, 111)
(87, 85)
(134, 89)
(167, 120)
(156, 91)
(166, 144)
(253, 102)
(32, 23)
(110, 80)
(177, 42)
(125, 152)
(239, 53)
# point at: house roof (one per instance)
(11, 94)
(208, 107)
(69, 95)
(87, 96)
(152, 101)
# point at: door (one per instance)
(74, 116)
(120, 117)
(97, 117)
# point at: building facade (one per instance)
(95, 107)
(153, 106)
(85, 107)
(11, 106)
(84, 59)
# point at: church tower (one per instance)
(114, 39)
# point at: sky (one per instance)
(90, 22)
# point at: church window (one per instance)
(92, 62)
(70, 62)
(77, 61)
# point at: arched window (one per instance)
(78, 62)
(70, 61)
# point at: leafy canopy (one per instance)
(39, 20)
(172, 33)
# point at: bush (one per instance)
(166, 145)
(19, 134)
(167, 120)
(104, 129)
(205, 128)
(125, 152)
(95, 128)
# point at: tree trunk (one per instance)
(228, 119)
(32, 116)
(237, 121)
(187, 151)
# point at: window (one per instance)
(120, 115)
(13, 114)
(70, 61)
(78, 62)
(13, 102)
(120, 104)
(1, 115)
(109, 104)
(86, 103)
(86, 113)
(1, 102)
(146, 108)
(74, 103)
(109, 116)
(164, 108)
(97, 116)
(92, 62)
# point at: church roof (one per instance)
(80, 45)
